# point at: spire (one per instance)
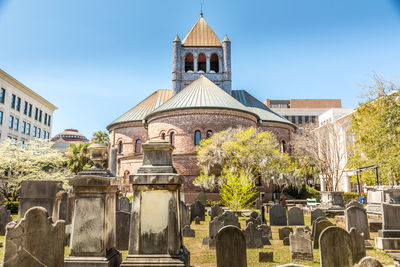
(177, 39)
(226, 39)
(201, 8)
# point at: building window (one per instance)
(120, 147)
(48, 120)
(18, 103)
(23, 128)
(38, 132)
(30, 111)
(214, 63)
(48, 135)
(13, 97)
(201, 62)
(197, 137)
(2, 95)
(16, 124)
(306, 119)
(138, 146)
(36, 113)
(25, 108)
(300, 119)
(293, 119)
(44, 134)
(11, 122)
(313, 119)
(28, 128)
(45, 118)
(209, 133)
(1, 117)
(287, 117)
(172, 138)
(189, 62)
(163, 136)
(40, 115)
(283, 146)
(34, 131)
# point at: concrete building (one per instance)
(302, 111)
(67, 137)
(23, 113)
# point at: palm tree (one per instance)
(100, 137)
(78, 158)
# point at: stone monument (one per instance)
(295, 216)
(301, 246)
(357, 217)
(231, 247)
(277, 215)
(335, 248)
(381, 194)
(332, 200)
(389, 236)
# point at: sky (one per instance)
(96, 59)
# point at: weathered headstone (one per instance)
(123, 222)
(231, 247)
(253, 236)
(262, 214)
(319, 227)
(185, 214)
(284, 232)
(226, 218)
(295, 216)
(266, 230)
(335, 248)
(124, 204)
(188, 232)
(357, 217)
(286, 241)
(216, 211)
(60, 208)
(389, 236)
(197, 209)
(266, 256)
(5, 217)
(277, 215)
(358, 245)
(34, 241)
(313, 225)
(369, 262)
(197, 220)
(316, 214)
(301, 246)
(255, 221)
(354, 203)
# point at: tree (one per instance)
(78, 159)
(100, 137)
(376, 132)
(35, 160)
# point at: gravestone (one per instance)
(123, 222)
(262, 214)
(60, 208)
(332, 200)
(256, 221)
(357, 217)
(316, 214)
(197, 220)
(295, 216)
(381, 194)
(225, 219)
(284, 232)
(286, 241)
(216, 211)
(124, 204)
(253, 236)
(354, 203)
(202, 198)
(335, 248)
(5, 217)
(358, 245)
(389, 236)
(369, 262)
(277, 215)
(187, 232)
(266, 231)
(197, 209)
(266, 256)
(319, 227)
(34, 241)
(313, 225)
(301, 246)
(258, 203)
(185, 214)
(113, 161)
(231, 247)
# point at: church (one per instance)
(200, 103)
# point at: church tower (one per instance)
(201, 52)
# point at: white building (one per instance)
(23, 113)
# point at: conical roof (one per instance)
(141, 110)
(202, 93)
(201, 34)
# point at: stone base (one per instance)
(387, 243)
(153, 261)
(112, 260)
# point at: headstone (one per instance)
(113, 161)
(5, 217)
(216, 211)
(369, 262)
(316, 214)
(354, 203)
(60, 208)
(266, 231)
(319, 227)
(357, 217)
(262, 214)
(389, 236)
(313, 225)
(185, 214)
(197, 220)
(284, 232)
(295, 216)
(258, 203)
(332, 200)
(286, 241)
(226, 218)
(124, 204)
(187, 232)
(205, 241)
(197, 209)
(335, 248)
(266, 256)
(301, 246)
(34, 241)
(277, 215)
(256, 221)
(254, 214)
(358, 245)
(123, 222)
(253, 236)
(231, 247)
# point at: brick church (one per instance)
(200, 103)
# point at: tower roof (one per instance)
(201, 34)
(202, 93)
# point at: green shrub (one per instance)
(309, 192)
(349, 196)
(12, 206)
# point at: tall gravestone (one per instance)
(225, 219)
(197, 209)
(301, 246)
(295, 216)
(5, 218)
(389, 236)
(358, 244)
(185, 214)
(316, 214)
(335, 248)
(155, 237)
(319, 227)
(122, 223)
(277, 215)
(231, 247)
(93, 236)
(357, 217)
(253, 236)
(34, 241)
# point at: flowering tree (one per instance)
(35, 160)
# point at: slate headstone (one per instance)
(313, 225)
(266, 256)
(284, 232)
(197, 220)
(231, 247)
(316, 214)
(301, 246)
(295, 216)
(253, 236)
(357, 217)
(335, 248)
(262, 214)
(319, 227)
(256, 221)
(277, 215)
(225, 219)
(202, 198)
(266, 230)
(197, 209)
(5, 217)
(216, 210)
(188, 232)
(358, 244)
(369, 262)
(124, 204)
(122, 226)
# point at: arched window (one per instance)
(189, 62)
(283, 146)
(209, 133)
(214, 63)
(120, 147)
(197, 137)
(163, 136)
(201, 62)
(138, 146)
(172, 138)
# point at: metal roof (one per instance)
(258, 107)
(202, 93)
(141, 110)
(201, 34)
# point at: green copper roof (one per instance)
(202, 93)
(258, 107)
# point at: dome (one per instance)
(70, 135)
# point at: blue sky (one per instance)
(95, 59)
